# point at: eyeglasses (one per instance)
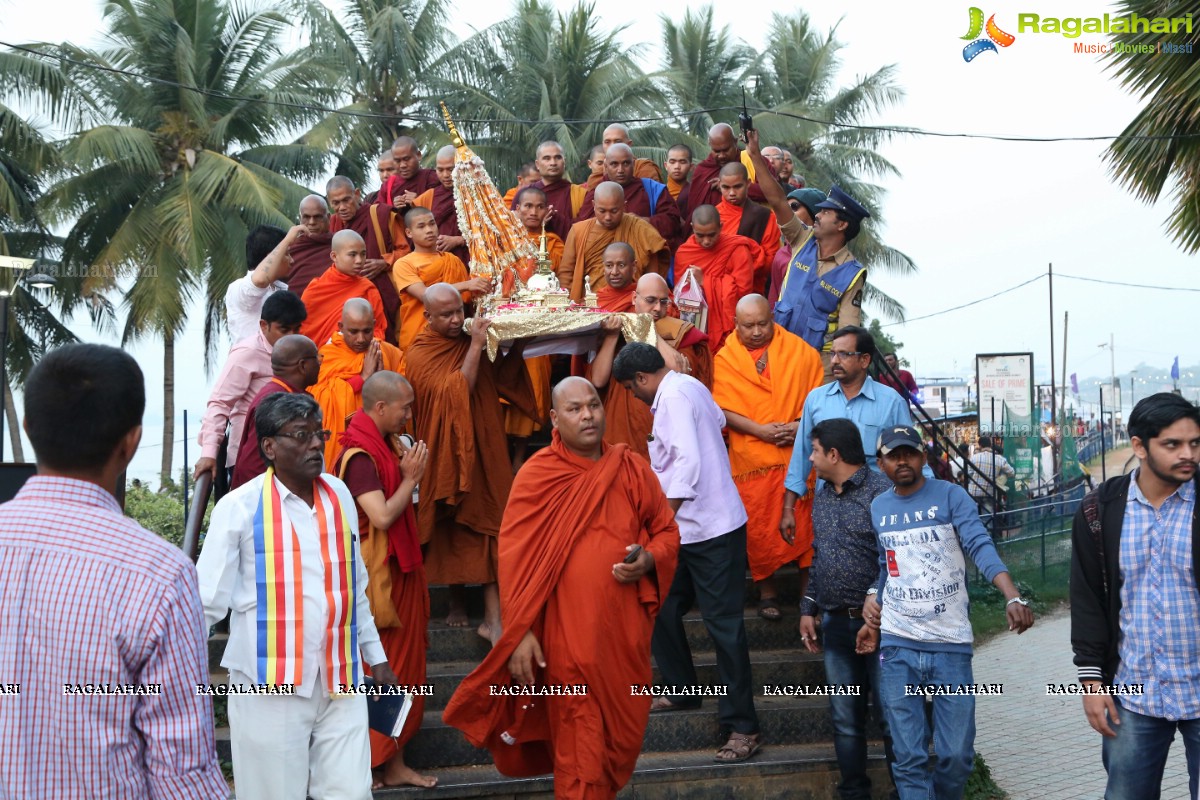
(655, 301)
(304, 437)
(844, 354)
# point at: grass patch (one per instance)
(980, 785)
(1041, 569)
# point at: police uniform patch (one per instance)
(857, 301)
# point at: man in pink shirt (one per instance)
(247, 370)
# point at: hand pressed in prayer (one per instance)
(373, 360)
(372, 268)
(414, 461)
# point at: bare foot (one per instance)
(403, 775)
(489, 631)
(457, 618)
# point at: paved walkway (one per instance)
(1039, 746)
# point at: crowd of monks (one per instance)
(386, 283)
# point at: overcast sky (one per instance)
(977, 216)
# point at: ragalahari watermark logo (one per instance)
(988, 43)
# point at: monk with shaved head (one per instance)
(458, 415)
(353, 354)
(583, 255)
(326, 295)
(725, 265)
(564, 197)
(620, 274)
(652, 296)
(763, 375)
(410, 179)
(440, 200)
(588, 546)
(381, 475)
(310, 250)
(295, 365)
(646, 197)
(372, 222)
(704, 189)
(617, 133)
(741, 217)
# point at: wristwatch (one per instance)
(1017, 599)
(872, 591)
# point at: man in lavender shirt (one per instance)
(689, 456)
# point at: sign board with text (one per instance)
(1006, 387)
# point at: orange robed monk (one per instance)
(763, 375)
(652, 297)
(373, 222)
(381, 476)
(620, 274)
(325, 296)
(459, 417)
(574, 611)
(742, 217)
(727, 264)
(352, 355)
(423, 267)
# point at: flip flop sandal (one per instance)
(741, 745)
(768, 609)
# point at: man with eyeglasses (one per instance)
(282, 552)
(652, 296)
(853, 395)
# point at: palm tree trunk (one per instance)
(168, 440)
(14, 431)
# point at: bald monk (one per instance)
(595, 163)
(373, 223)
(620, 273)
(440, 200)
(410, 179)
(741, 217)
(325, 295)
(381, 475)
(563, 196)
(295, 365)
(574, 612)
(647, 198)
(652, 296)
(385, 166)
(763, 375)
(727, 263)
(642, 168)
(583, 254)
(679, 168)
(703, 191)
(310, 250)
(527, 174)
(533, 207)
(458, 416)
(352, 355)
(423, 267)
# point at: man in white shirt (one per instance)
(273, 545)
(267, 266)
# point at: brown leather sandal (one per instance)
(740, 747)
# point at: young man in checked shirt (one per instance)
(1134, 603)
(845, 565)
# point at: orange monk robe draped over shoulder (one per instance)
(469, 474)
(324, 298)
(426, 268)
(440, 201)
(692, 343)
(310, 258)
(618, 301)
(566, 198)
(664, 216)
(567, 522)
(793, 369)
(728, 277)
(338, 389)
(373, 223)
(583, 253)
(675, 188)
(757, 223)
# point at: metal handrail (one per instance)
(195, 517)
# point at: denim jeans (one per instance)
(1136, 757)
(844, 667)
(953, 722)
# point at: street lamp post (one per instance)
(39, 280)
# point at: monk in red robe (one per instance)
(727, 270)
(741, 217)
(583, 255)
(440, 200)
(381, 476)
(652, 296)
(295, 366)
(310, 250)
(458, 416)
(564, 197)
(703, 189)
(649, 199)
(763, 375)
(324, 297)
(348, 359)
(642, 167)
(373, 224)
(410, 179)
(574, 612)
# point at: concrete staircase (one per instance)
(677, 754)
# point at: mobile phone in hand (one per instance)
(633, 554)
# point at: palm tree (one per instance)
(558, 69)
(1155, 151)
(172, 159)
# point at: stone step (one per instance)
(778, 772)
(448, 644)
(783, 720)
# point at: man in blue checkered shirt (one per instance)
(1135, 602)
